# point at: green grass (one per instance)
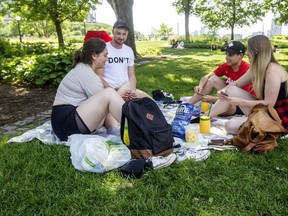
(38, 179)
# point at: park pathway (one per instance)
(25, 124)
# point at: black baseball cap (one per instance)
(235, 47)
(121, 24)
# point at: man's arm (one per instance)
(132, 77)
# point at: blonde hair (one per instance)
(260, 49)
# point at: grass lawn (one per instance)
(38, 179)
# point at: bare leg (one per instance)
(112, 126)
(110, 121)
(232, 126)
(127, 87)
(141, 94)
(234, 91)
(94, 110)
(222, 106)
(230, 111)
(214, 82)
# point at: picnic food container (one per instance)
(205, 106)
(191, 133)
(205, 124)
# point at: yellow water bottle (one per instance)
(126, 136)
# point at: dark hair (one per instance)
(90, 47)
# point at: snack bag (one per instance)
(182, 118)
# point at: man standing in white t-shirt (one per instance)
(119, 71)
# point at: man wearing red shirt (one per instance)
(231, 70)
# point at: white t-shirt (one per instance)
(78, 85)
(116, 66)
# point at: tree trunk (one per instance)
(59, 33)
(187, 14)
(232, 32)
(123, 10)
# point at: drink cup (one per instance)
(205, 124)
(205, 106)
(191, 133)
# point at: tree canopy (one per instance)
(279, 8)
(186, 7)
(230, 13)
(56, 11)
(163, 32)
(123, 10)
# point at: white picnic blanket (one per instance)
(46, 135)
(84, 158)
(217, 130)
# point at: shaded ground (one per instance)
(18, 101)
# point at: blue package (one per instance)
(182, 118)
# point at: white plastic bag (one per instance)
(97, 154)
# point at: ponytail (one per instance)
(90, 47)
(77, 58)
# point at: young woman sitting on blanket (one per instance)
(81, 104)
(269, 81)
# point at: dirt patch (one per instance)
(19, 101)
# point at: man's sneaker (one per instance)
(194, 154)
(161, 162)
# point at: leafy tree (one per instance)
(38, 28)
(279, 8)
(123, 10)
(230, 13)
(56, 11)
(186, 7)
(163, 32)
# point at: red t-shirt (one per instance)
(227, 71)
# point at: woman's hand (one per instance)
(222, 95)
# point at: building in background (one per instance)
(275, 29)
(257, 33)
(91, 17)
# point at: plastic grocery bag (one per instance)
(97, 154)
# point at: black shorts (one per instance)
(238, 111)
(64, 122)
